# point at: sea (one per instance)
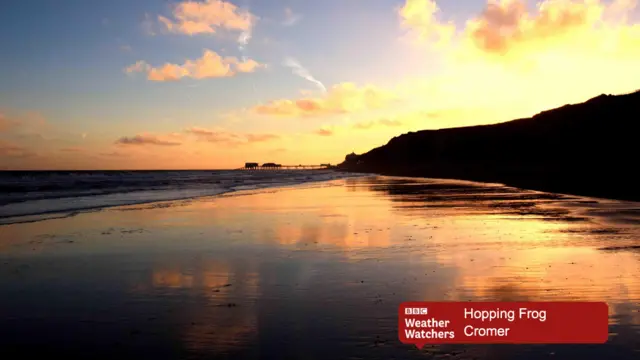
(306, 270)
(27, 196)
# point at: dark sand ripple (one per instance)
(312, 272)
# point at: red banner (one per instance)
(422, 323)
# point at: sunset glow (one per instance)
(213, 84)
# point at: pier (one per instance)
(274, 166)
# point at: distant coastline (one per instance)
(586, 149)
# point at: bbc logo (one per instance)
(416, 311)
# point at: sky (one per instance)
(212, 84)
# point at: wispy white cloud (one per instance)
(302, 72)
(148, 25)
(291, 18)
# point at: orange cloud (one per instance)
(380, 122)
(9, 149)
(147, 139)
(384, 128)
(521, 59)
(213, 136)
(324, 132)
(113, 154)
(247, 66)
(340, 99)
(260, 137)
(506, 25)
(72, 149)
(420, 18)
(210, 65)
(27, 121)
(207, 17)
(230, 138)
(139, 66)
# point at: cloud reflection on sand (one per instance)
(223, 316)
(317, 270)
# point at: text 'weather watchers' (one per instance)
(423, 323)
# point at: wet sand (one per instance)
(314, 271)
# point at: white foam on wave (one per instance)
(31, 210)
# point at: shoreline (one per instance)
(568, 184)
(52, 215)
(30, 210)
(566, 150)
(244, 275)
(61, 214)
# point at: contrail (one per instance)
(302, 72)
(243, 41)
(291, 18)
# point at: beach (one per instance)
(313, 270)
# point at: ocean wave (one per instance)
(28, 197)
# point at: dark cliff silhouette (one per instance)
(584, 149)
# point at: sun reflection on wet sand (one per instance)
(317, 269)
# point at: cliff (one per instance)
(585, 149)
